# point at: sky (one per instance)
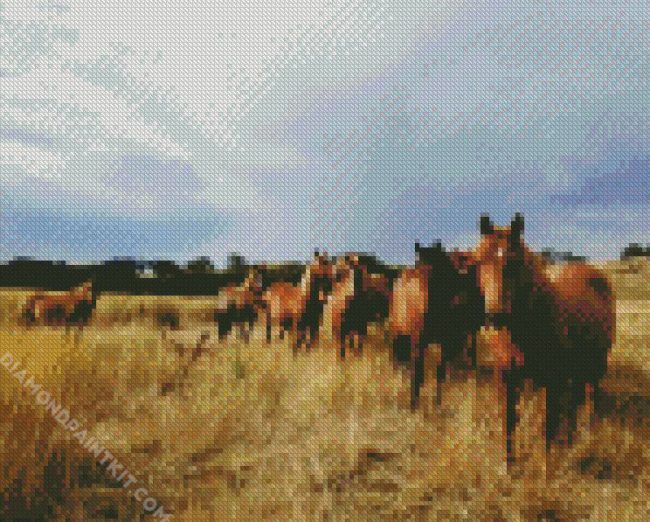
(199, 128)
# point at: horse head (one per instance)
(319, 276)
(499, 258)
(86, 291)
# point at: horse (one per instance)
(238, 305)
(298, 309)
(378, 289)
(357, 299)
(560, 321)
(467, 305)
(425, 308)
(73, 307)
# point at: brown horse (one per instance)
(467, 306)
(238, 305)
(73, 307)
(425, 307)
(298, 309)
(561, 322)
(358, 298)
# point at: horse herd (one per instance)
(556, 322)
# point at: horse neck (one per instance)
(358, 276)
(78, 293)
(347, 284)
(537, 287)
(535, 271)
(442, 278)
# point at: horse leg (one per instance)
(577, 398)
(342, 339)
(598, 397)
(309, 335)
(242, 331)
(221, 327)
(229, 325)
(512, 382)
(593, 401)
(401, 352)
(471, 342)
(269, 326)
(313, 337)
(361, 336)
(297, 335)
(552, 412)
(250, 324)
(441, 374)
(450, 348)
(417, 370)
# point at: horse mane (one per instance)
(536, 268)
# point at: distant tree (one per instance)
(554, 256)
(200, 265)
(166, 269)
(236, 262)
(144, 266)
(635, 250)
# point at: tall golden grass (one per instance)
(252, 432)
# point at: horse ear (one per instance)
(517, 225)
(486, 225)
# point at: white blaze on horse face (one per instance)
(491, 282)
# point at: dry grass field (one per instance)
(241, 431)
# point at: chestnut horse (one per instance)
(73, 307)
(357, 299)
(561, 324)
(425, 308)
(238, 305)
(298, 309)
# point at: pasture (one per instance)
(228, 430)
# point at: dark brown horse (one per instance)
(427, 306)
(357, 299)
(467, 306)
(238, 305)
(298, 309)
(561, 324)
(73, 307)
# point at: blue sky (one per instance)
(192, 129)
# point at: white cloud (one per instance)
(73, 102)
(208, 64)
(20, 10)
(19, 161)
